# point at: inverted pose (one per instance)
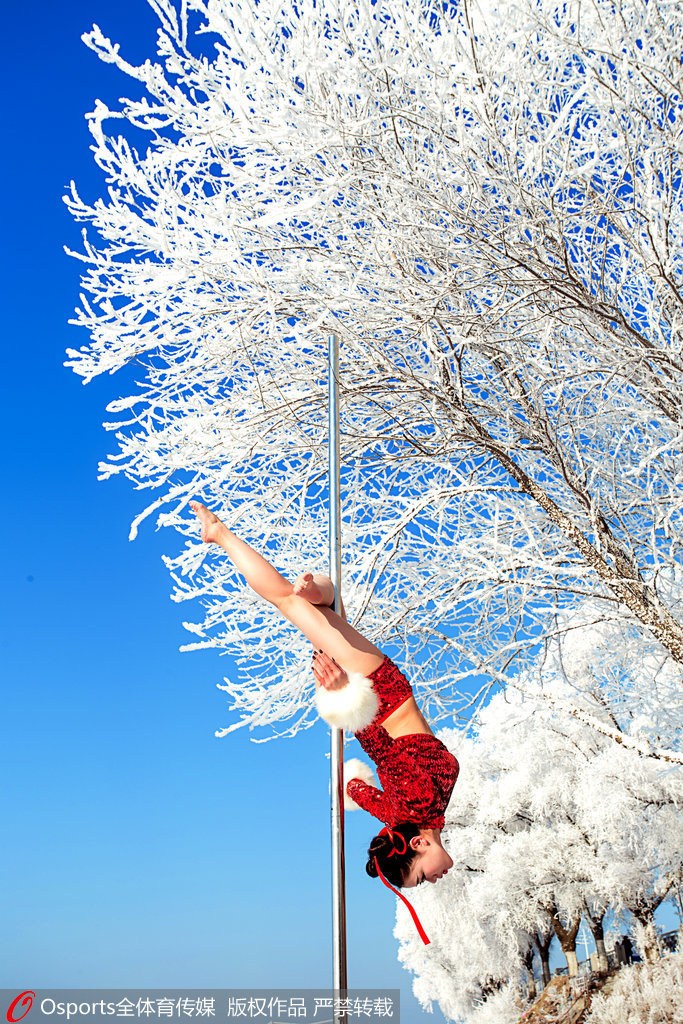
(359, 689)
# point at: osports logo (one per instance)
(23, 999)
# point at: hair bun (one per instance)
(380, 843)
(371, 868)
(392, 849)
(380, 846)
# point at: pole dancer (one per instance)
(358, 688)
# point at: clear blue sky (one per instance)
(139, 850)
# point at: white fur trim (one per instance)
(354, 768)
(352, 707)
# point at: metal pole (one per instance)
(336, 735)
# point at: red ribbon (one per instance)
(413, 912)
(386, 831)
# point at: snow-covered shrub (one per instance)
(502, 1007)
(643, 994)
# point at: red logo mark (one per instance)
(23, 999)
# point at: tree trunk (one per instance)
(647, 935)
(542, 940)
(595, 923)
(572, 962)
(603, 963)
(528, 960)
(567, 937)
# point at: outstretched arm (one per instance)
(371, 799)
(324, 628)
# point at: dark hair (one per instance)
(394, 865)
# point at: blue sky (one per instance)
(140, 850)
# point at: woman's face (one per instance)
(431, 864)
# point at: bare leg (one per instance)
(325, 629)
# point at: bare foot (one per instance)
(317, 589)
(211, 524)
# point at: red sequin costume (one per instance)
(417, 771)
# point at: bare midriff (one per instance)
(406, 720)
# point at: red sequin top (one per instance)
(417, 771)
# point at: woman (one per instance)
(359, 689)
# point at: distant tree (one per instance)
(486, 206)
(566, 932)
(528, 962)
(594, 915)
(542, 939)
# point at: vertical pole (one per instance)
(336, 735)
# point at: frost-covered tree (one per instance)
(551, 821)
(486, 206)
(600, 668)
